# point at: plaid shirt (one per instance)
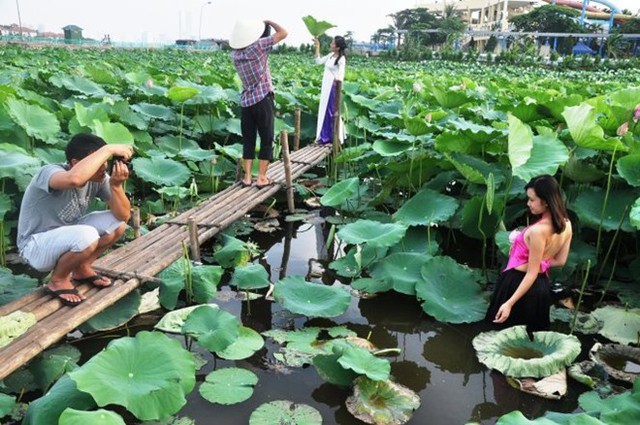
(253, 69)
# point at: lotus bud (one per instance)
(429, 117)
(622, 130)
(463, 85)
(636, 113)
(149, 84)
(417, 87)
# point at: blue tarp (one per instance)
(582, 49)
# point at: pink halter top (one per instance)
(519, 254)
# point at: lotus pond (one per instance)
(416, 211)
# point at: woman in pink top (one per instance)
(522, 295)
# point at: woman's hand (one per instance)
(503, 313)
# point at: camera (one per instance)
(121, 159)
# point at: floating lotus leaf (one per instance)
(331, 371)
(316, 27)
(99, 417)
(618, 409)
(629, 169)
(426, 207)
(214, 329)
(374, 233)
(619, 324)
(401, 269)
(233, 252)
(362, 362)
(311, 299)
(585, 372)
(48, 408)
(37, 122)
(517, 418)
(450, 291)
(371, 286)
(582, 123)
(7, 403)
(619, 361)
(204, 279)
(48, 367)
(161, 171)
(511, 352)
(585, 322)
(340, 192)
(15, 324)
(285, 412)
(251, 276)
(114, 316)
(228, 386)
(174, 320)
(382, 402)
(351, 265)
(547, 155)
(248, 342)
(150, 375)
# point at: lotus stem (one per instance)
(606, 199)
(484, 240)
(188, 279)
(181, 123)
(613, 240)
(385, 351)
(584, 284)
(246, 295)
(331, 236)
(606, 287)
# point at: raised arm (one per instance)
(280, 33)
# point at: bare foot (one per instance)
(568, 303)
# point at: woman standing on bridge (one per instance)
(334, 66)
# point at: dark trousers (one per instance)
(257, 119)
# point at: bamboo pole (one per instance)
(296, 136)
(135, 221)
(194, 244)
(284, 140)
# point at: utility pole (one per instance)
(19, 18)
(200, 25)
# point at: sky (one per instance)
(163, 21)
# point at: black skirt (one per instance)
(531, 310)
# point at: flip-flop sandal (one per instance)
(243, 184)
(269, 183)
(91, 280)
(56, 293)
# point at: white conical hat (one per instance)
(245, 32)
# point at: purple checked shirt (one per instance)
(253, 70)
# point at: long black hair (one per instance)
(341, 44)
(548, 189)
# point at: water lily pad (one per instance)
(228, 386)
(248, 342)
(214, 329)
(150, 375)
(401, 269)
(48, 367)
(382, 402)
(619, 324)
(619, 361)
(204, 279)
(174, 320)
(251, 276)
(426, 207)
(99, 417)
(13, 287)
(116, 315)
(311, 299)
(7, 403)
(15, 324)
(511, 352)
(284, 412)
(48, 408)
(362, 362)
(374, 233)
(331, 371)
(450, 291)
(371, 286)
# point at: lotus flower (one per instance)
(417, 87)
(429, 117)
(149, 84)
(463, 85)
(636, 113)
(624, 128)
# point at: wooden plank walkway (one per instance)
(140, 260)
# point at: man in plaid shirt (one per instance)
(251, 44)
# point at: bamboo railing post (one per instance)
(135, 221)
(336, 117)
(284, 139)
(296, 136)
(194, 244)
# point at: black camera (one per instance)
(121, 159)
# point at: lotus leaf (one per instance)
(248, 342)
(475, 132)
(362, 362)
(204, 281)
(48, 367)
(414, 241)
(582, 123)
(448, 98)
(214, 329)
(37, 122)
(629, 169)
(158, 112)
(174, 320)
(634, 214)
(401, 269)
(520, 142)
(316, 27)
(476, 221)
(427, 207)
(340, 192)
(453, 141)
(78, 84)
(331, 371)
(581, 171)
(618, 361)
(450, 291)
(115, 316)
(373, 233)
(48, 408)
(618, 409)
(382, 402)
(15, 324)
(99, 417)
(547, 155)
(161, 171)
(228, 386)
(311, 299)
(621, 325)
(285, 412)
(357, 259)
(17, 164)
(150, 375)
(280, 336)
(389, 148)
(251, 276)
(511, 352)
(371, 286)
(517, 418)
(588, 206)
(233, 253)
(585, 322)
(112, 132)
(7, 403)
(181, 94)
(474, 169)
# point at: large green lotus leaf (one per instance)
(86, 116)
(124, 114)
(617, 409)
(311, 299)
(450, 291)
(511, 352)
(251, 276)
(17, 165)
(426, 207)
(382, 402)
(448, 98)
(228, 386)
(474, 169)
(362, 362)
(417, 126)
(99, 417)
(78, 84)
(248, 342)
(582, 171)
(113, 132)
(47, 409)
(181, 94)
(629, 169)
(476, 132)
(5, 205)
(401, 269)
(174, 320)
(357, 259)
(161, 171)
(588, 207)
(331, 371)
(316, 27)
(37, 122)
(115, 316)
(7, 403)
(391, 147)
(150, 375)
(584, 322)
(48, 367)
(585, 131)
(13, 287)
(371, 286)
(157, 112)
(14, 324)
(547, 155)
(526, 112)
(454, 141)
(340, 192)
(285, 412)
(476, 221)
(373, 233)
(634, 214)
(619, 324)
(205, 281)
(414, 240)
(233, 253)
(214, 329)
(517, 418)
(173, 279)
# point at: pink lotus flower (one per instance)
(149, 84)
(622, 130)
(636, 113)
(429, 117)
(417, 87)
